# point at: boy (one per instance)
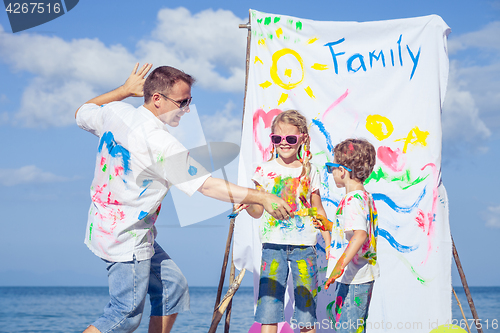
(356, 218)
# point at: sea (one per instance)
(72, 309)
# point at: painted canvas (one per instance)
(383, 81)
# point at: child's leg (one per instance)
(272, 284)
(304, 271)
(351, 308)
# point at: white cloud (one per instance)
(29, 174)
(223, 126)
(207, 45)
(492, 217)
(470, 112)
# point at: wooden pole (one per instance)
(230, 305)
(466, 288)
(461, 310)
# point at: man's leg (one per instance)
(168, 292)
(128, 286)
(161, 324)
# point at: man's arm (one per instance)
(132, 87)
(225, 191)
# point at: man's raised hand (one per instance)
(135, 82)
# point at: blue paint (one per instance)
(142, 215)
(392, 204)
(361, 63)
(399, 49)
(392, 57)
(323, 130)
(395, 244)
(414, 59)
(145, 183)
(320, 248)
(192, 170)
(334, 55)
(373, 56)
(115, 150)
(336, 203)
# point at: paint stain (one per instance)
(267, 118)
(283, 98)
(305, 278)
(334, 104)
(279, 32)
(277, 19)
(267, 20)
(401, 248)
(393, 159)
(257, 59)
(104, 168)
(405, 180)
(142, 215)
(398, 208)
(288, 72)
(415, 137)
(325, 133)
(265, 85)
(90, 231)
(309, 92)
(192, 170)
(319, 67)
(357, 301)
(420, 219)
(381, 127)
(312, 40)
(298, 25)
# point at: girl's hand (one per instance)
(327, 250)
(322, 223)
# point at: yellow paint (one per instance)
(305, 278)
(288, 72)
(273, 268)
(312, 40)
(448, 328)
(279, 32)
(381, 127)
(309, 92)
(258, 59)
(274, 68)
(415, 136)
(283, 98)
(319, 67)
(261, 42)
(266, 84)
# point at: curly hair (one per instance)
(162, 79)
(295, 118)
(359, 155)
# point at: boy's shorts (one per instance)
(130, 281)
(351, 306)
(273, 281)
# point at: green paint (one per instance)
(90, 231)
(254, 13)
(110, 177)
(289, 21)
(298, 25)
(329, 311)
(259, 20)
(297, 40)
(267, 20)
(132, 233)
(277, 19)
(160, 158)
(270, 36)
(104, 168)
(357, 300)
(412, 270)
(286, 37)
(405, 180)
(357, 196)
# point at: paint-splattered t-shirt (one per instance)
(137, 162)
(356, 211)
(287, 184)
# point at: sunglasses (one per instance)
(180, 104)
(330, 166)
(290, 139)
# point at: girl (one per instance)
(289, 175)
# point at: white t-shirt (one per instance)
(137, 162)
(356, 211)
(285, 183)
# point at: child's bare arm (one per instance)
(353, 247)
(316, 202)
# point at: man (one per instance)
(138, 160)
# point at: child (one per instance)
(357, 268)
(289, 175)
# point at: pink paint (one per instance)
(394, 159)
(271, 175)
(334, 104)
(432, 213)
(420, 219)
(351, 147)
(103, 160)
(264, 266)
(118, 171)
(267, 118)
(338, 306)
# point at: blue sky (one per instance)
(47, 162)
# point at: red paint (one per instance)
(118, 171)
(394, 159)
(420, 219)
(267, 118)
(264, 266)
(103, 160)
(271, 175)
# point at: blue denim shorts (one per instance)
(130, 281)
(273, 281)
(351, 306)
